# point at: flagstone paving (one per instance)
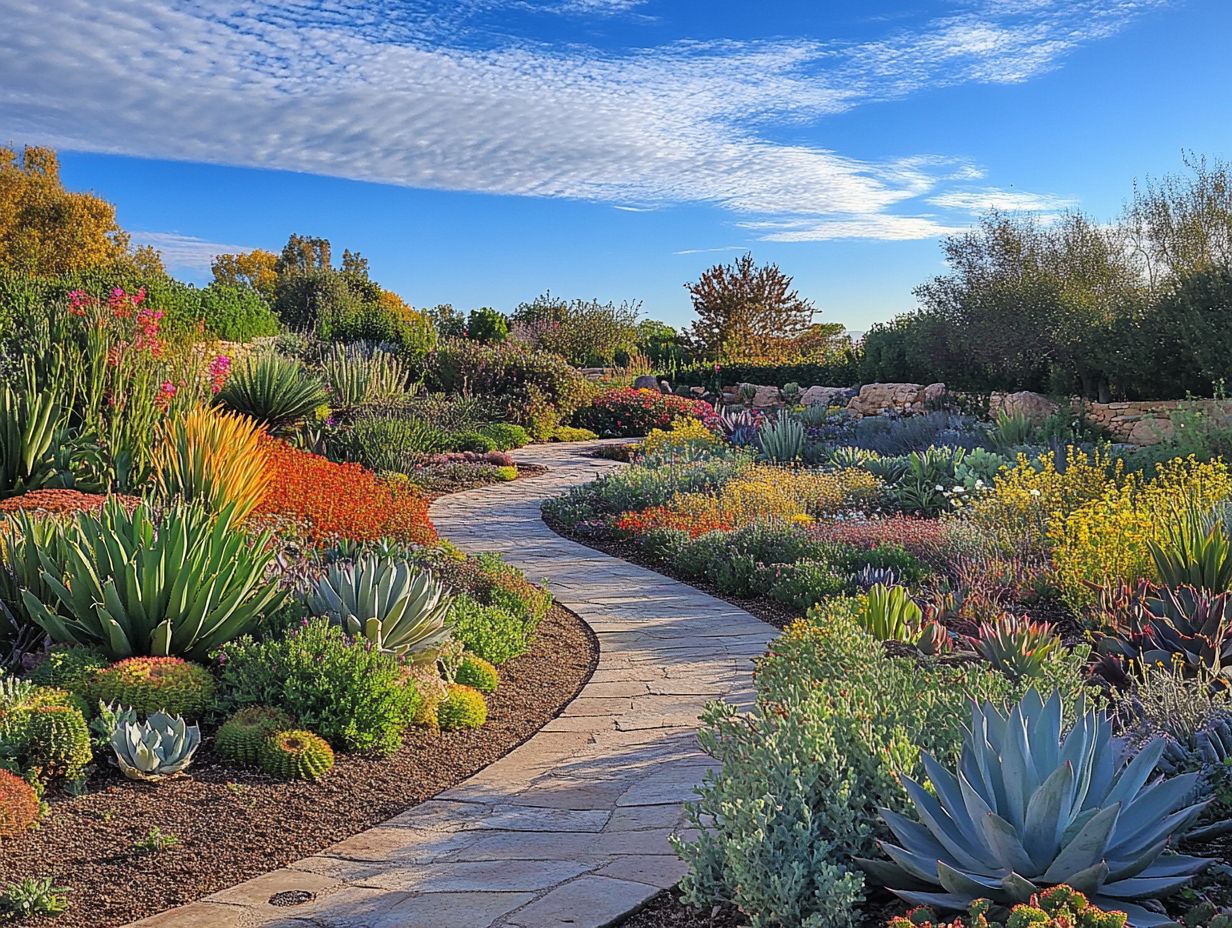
(570, 830)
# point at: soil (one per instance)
(440, 486)
(231, 824)
(667, 911)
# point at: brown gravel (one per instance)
(231, 825)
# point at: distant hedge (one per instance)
(838, 372)
(232, 313)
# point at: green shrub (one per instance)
(803, 777)
(236, 313)
(487, 325)
(470, 440)
(663, 544)
(296, 755)
(148, 684)
(496, 633)
(129, 584)
(241, 737)
(387, 443)
(572, 433)
(523, 386)
(805, 583)
(462, 707)
(478, 674)
(349, 692)
(70, 668)
(506, 435)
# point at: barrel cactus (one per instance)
(160, 747)
(150, 684)
(56, 742)
(395, 605)
(241, 737)
(1029, 809)
(296, 755)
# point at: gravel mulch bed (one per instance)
(439, 486)
(230, 825)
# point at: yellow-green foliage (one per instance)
(241, 737)
(1108, 537)
(147, 684)
(477, 673)
(685, 434)
(55, 743)
(431, 690)
(1027, 497)
(296, 755)
(213, 456)
(462, 707)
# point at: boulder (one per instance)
(933, 393)
(825, 396)
(1035, 406)
(877, 398)
(763, 397)
(1149, 430)
(647, 382)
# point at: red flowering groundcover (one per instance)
(625, 413)
(695, 523)
(342, 500)
(61, 501)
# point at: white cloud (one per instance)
(1010, 200)
(185, 252)
(706, 251)
(423, 94)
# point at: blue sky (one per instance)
(479, 152)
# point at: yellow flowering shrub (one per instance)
(764, 491)
(1025, 499)
(685, 434)
(1107, 537)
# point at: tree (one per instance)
(586, 333)
(46, 230)
(745, 311)
(257, 269)
(304, 253)
(487, 325)
(449, 322)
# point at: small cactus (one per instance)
(19, 805)
(56, 742)
(153, 684)
(478, 674)
(462, 707)
(296, 755)
(240, 737)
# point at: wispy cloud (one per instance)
(185, 252)
(980, 200)
(707, 251)
(416, 94)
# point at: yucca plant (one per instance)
(131, 584)
(214, 457)
(1186, 628)
(398, 607)
(356, 376)
(271, 389)
(1030, 807)
(781, 440)
(388, 443)
(1017, 646)
(1195, 551)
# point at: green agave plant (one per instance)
(1030, 808)
(781, 440)
(272, 389)
(395, 605)
(160, 747)
(1017, 646)
(1195, 552)
(131, 584)
(32, 433)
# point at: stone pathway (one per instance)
(570, 829)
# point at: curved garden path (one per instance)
(571, 828)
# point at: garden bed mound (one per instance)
(222, 825)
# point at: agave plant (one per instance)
(781, 440)
(1195, 552)
(869, 576)
(272, 389)
(740, 428)
(1030, 808)
(1184, 627)
(358, 374)
(160, 747)
(131, 584)
(215, 457)
(1016, 646)
(395, 605)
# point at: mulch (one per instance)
(445, 487)
(231, 824)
